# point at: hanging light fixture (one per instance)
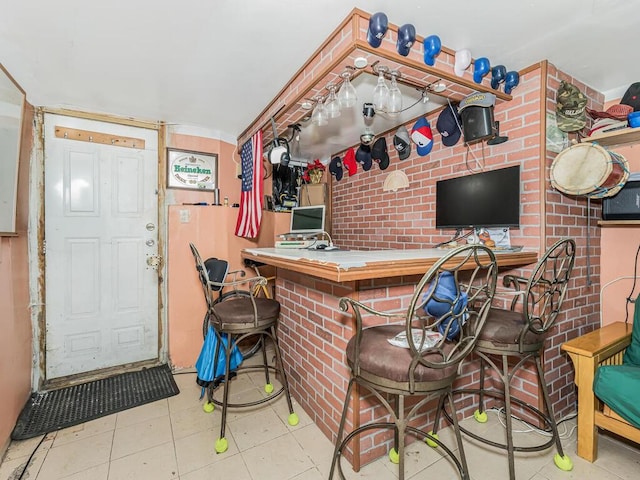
(381, 92)
(319, 115)
(347, 95)
(394, 103)
(332, 106)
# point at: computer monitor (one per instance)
(488, 199)
(307, 219)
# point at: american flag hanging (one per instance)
(250, 214)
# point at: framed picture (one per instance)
(192, 170)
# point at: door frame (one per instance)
(36, 245)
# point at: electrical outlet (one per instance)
(185, 216)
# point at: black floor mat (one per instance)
(57, 409)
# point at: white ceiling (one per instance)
(215, 64)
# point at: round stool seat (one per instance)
(237, 313)
(378, 358)
(503, 330)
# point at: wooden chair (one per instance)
(604, 346)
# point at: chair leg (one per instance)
(509, 421)
(436, 423)
(454, 416)
(222, 444)
(562, 461)
(481, 414)
(400, 432)
(337, 451)
(267, 381)
(293, 419)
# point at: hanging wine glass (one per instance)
(319, 115)
(331, 105)
(394, 104)
(381, 92)
(347, 95)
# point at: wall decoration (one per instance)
(192, 170)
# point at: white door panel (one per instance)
(100, 227)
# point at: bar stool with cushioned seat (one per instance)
(446, 313)
(518, 335)
(234, 318)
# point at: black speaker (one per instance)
(477, 123)
(624, 205)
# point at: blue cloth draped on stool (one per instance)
(211, 369)
(447, 300)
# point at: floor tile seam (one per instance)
(118, 414)
(137, 452)
(108, 461)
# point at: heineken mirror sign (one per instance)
(192, 170)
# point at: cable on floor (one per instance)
(26, 465)
(565, 434)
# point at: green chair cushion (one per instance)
(632, 353)
(619, 387)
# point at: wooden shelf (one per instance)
(626, 136)
(618, 223)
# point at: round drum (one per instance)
(588, 169)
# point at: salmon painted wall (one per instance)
(15, 317)
(211, 229)
(618, 246)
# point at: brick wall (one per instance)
(569, 216)
(365, 217)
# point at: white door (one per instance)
(101, 240)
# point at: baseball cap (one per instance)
(448, 126)
(335, 167)
(349, 161)
(604, 124)
(363, 157)
(462, 61)
(616, 112)
(378, 25)
(632, 96)
(380, 154)
(422, 136)
(570, 108)
(406, 38)
(402, 143)
(477, 99)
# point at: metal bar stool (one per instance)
(513, 338)
(440, 327)
(235, 316)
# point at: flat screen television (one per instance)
(487, 199)
(307, 219)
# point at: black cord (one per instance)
(456, 236)
(630, 299)
(31, 456)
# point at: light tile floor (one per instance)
(174, 439)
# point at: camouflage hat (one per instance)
(570, 108)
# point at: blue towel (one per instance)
(211, 369)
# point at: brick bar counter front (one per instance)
(314, 332)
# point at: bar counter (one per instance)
(313, 332)
(348, 265)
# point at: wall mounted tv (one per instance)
(488, 199)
